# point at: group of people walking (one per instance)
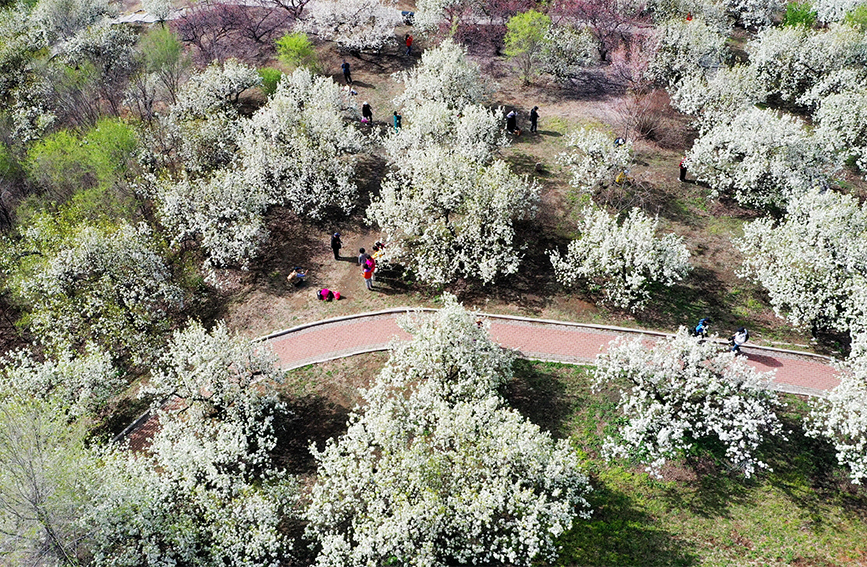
(741, 336)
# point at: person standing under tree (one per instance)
(534, 118)
(346, 72)
(511, 121)
(397, 119)
(367, 271)
(366, 112)
(336, 244)
(408, 40)
(683, 169)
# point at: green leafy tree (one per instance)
(162, 55)
(525, 39)
(295, 50)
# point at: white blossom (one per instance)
(436, 471)
(298, 149)
(207, 491)
(790, 60)
(443, 75)
(446, 216)
(594, 159)
(811, 261)
(834, 10)
(841, 417)
(760, 158)
(720, 97)
(109, 287)
(684, 390)
(83, 384)
(567, 50)
(842, 125)
(622, 258)
(353, 24)
(474, 131)
(685, 49)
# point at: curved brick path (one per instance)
(797, 373)
(557, 341)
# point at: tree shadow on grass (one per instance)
(620, 534)
(539, 396)
(806, 471)
(312, 419)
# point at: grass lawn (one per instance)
(804, 513)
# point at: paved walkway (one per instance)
(557, 341)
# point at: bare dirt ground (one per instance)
(261, 301)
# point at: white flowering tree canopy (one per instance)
(756, 14)
(204, 120)
(474, 132)
(622, 258)
(224, 214)
(842, 125)
(791, 60)
(360, 25)
(298, 149)
(207, 491)
(760, 158)
(593, 159)
(82, 384)
(443, 75)
(687, 48)
(828, 11)
(684, 390)
(841, 417)
(719, 98)
(109, 287)
(436, 471)
(812, 261)
(567, 50)
(446, 216)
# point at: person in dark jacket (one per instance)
(366, 112)
(336, 245)
(347, 74)
(534, 118)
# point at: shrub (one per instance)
(799, 14)
(270, 79)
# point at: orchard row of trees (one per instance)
(122, 159)
(434, 469)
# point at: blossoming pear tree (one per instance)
(810, 261)
(437, 471)
(206, 491)
(445, 74)
(841, 417)
(446, 216)
(684, 390)
(622, 257)
(760, 158)
(106, 287)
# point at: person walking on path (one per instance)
(397, 119)
(347, 74)
(511, 121)
(366, 112)
(408, 40)
(701, 329)
(534, 118)
(738, 339)
(367, 271)
(336, 245)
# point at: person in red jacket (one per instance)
(408, 39)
